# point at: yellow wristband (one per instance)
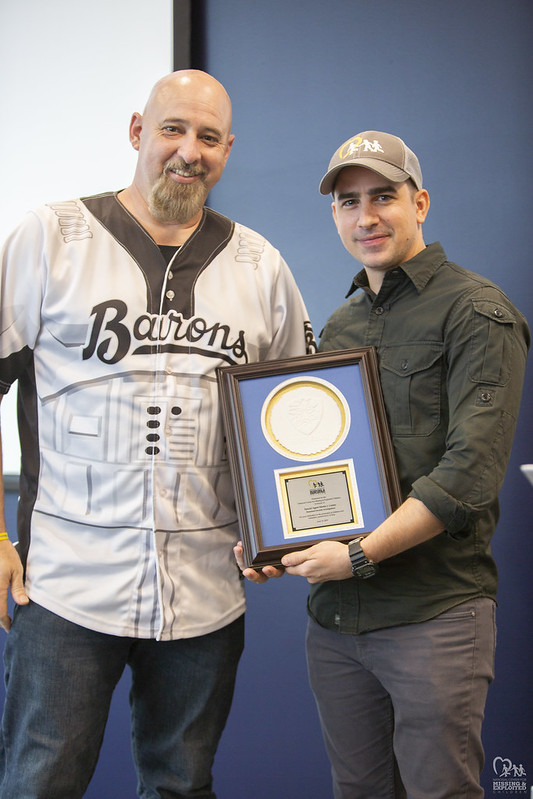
(4, 537)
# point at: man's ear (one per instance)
(334, 212)
(231, 139)
(135, 130)
(422, 205)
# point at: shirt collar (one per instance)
(419, 269)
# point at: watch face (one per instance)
(366, 570)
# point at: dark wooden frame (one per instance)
(241, 442)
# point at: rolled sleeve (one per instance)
(453, 514)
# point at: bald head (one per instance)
(195, 86)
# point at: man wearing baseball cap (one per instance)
(401, 632)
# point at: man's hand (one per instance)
(327, 560)
(251, 574)
(10, 575)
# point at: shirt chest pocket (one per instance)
(411, 376)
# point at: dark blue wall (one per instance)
(453, 79)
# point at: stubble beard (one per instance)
(177, 203)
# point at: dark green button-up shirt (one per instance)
(452, 350)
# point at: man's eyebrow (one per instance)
(390, 189)
(349, 195)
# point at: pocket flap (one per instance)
(408, 359)
(494, 311)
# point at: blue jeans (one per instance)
(60, 678)
(401, 708)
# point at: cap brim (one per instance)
(393, 173)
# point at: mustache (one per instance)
(185, 169)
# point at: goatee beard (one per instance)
(177, 203)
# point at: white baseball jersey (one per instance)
(127, 516)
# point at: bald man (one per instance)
(117, 309)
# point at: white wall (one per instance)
(71, 74)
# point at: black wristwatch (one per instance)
(361, 566)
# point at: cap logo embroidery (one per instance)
(352, 145)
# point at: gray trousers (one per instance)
(401, 708)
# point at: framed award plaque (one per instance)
(309, 451)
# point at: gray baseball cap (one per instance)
(381, 152)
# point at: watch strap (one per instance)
(362, 566)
